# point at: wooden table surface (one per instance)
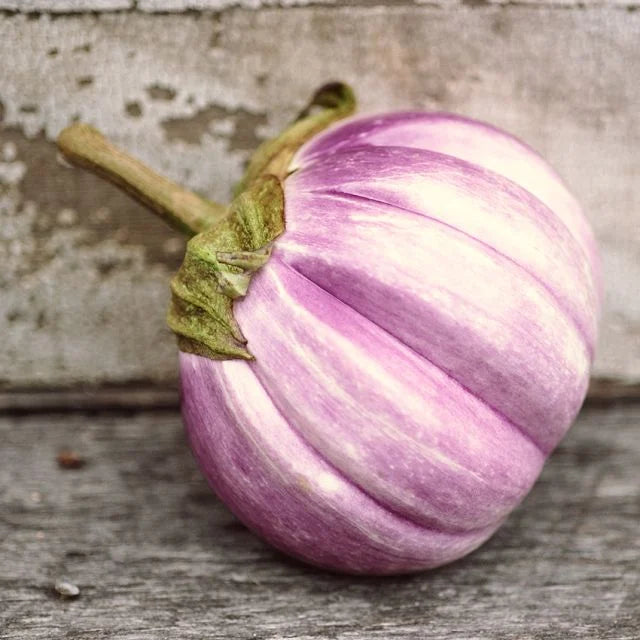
(191, 87)
(155, 555)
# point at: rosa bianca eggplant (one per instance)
(384, 335)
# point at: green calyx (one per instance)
(228, 244)
(217, 269)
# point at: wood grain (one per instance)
(155, 555)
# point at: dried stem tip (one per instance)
(184, 210)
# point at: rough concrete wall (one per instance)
(84, 274)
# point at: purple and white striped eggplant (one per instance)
(411, 348)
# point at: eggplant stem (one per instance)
(84, 146)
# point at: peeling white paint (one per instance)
(12, 172)
(66, 323)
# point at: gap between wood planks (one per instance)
(140, 397)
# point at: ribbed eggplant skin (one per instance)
(422, 334)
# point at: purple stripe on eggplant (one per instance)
(288, 495)
(387, 421)
(484, 205)
(477, 142)
(507, 342)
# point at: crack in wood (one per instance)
(148, 396)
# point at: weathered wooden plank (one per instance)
(155, 555)
(152, 6)
(85, 271)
